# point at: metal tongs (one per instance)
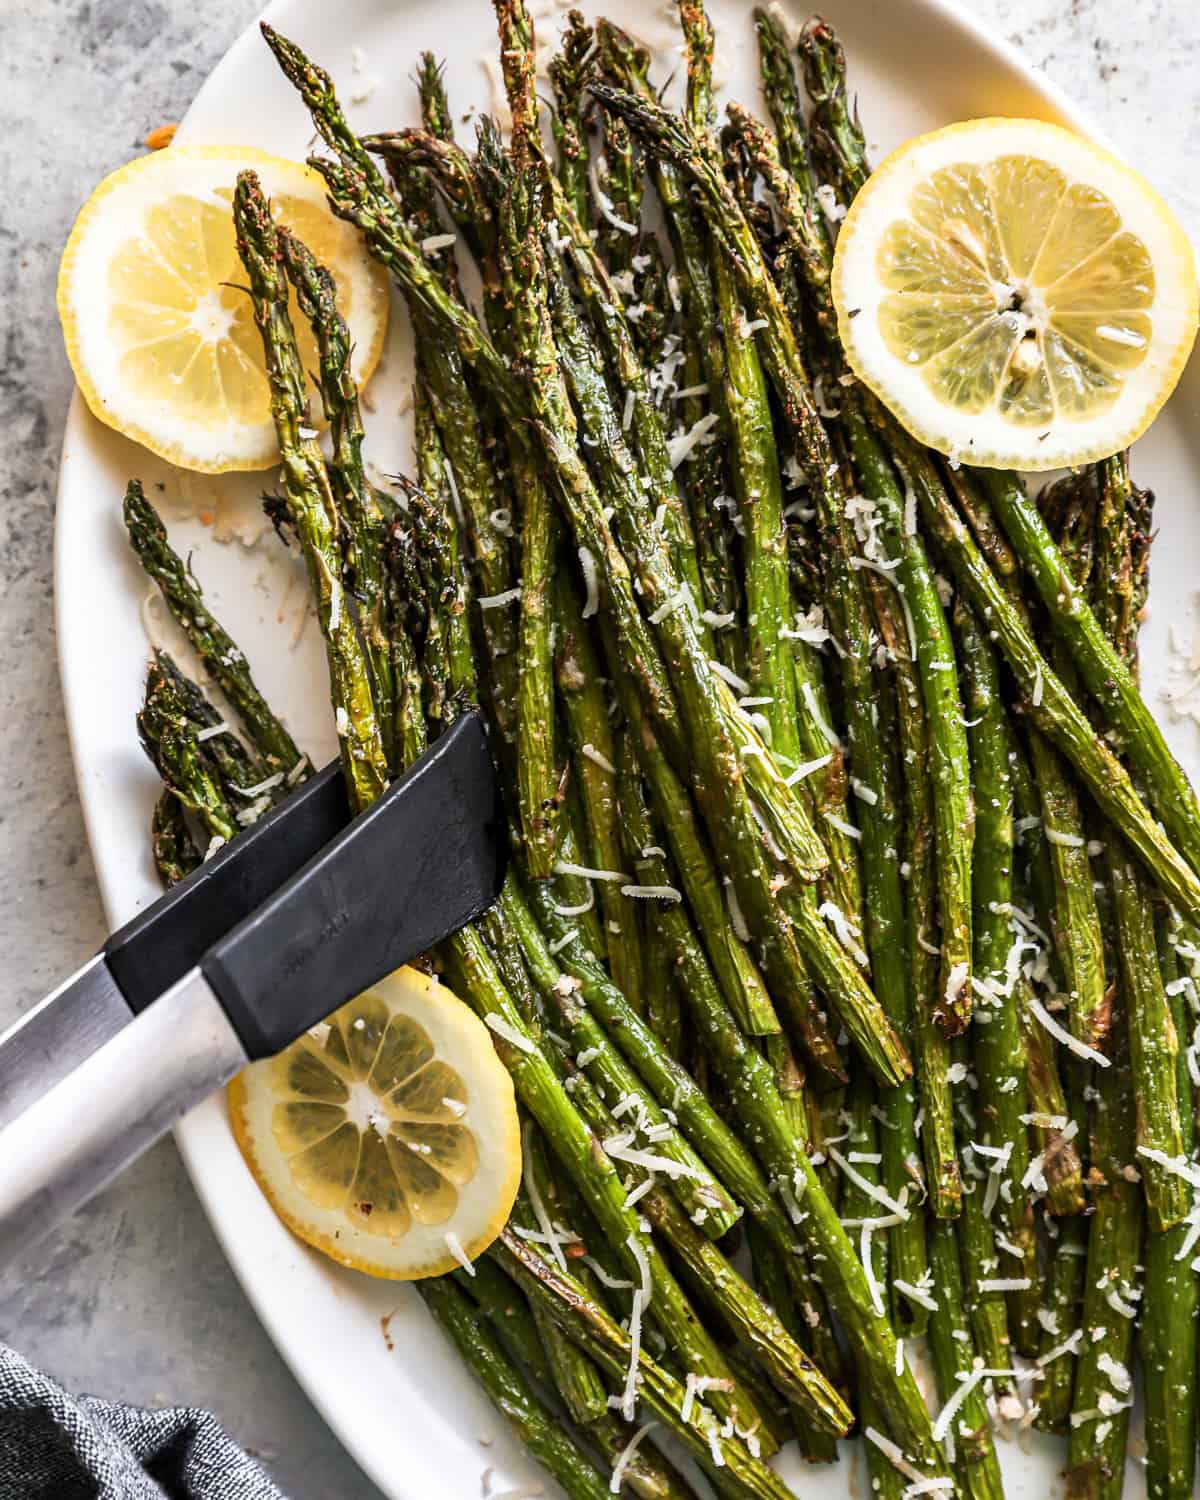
(303, 911)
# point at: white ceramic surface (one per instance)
(403, 1404)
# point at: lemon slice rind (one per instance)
(987, 438)
(115, 217)
(461, 1043)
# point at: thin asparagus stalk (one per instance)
(953, 1352)
(168, 736)
(834, 122)
(1153, 1042)
(436, 548)
(593, 764)
(620, 177)
(1099, 1420)
(1076, 924)
(1034, 885)
(1153, 1049)
(409, 734)
(857, 1203)
(660, 995)
(175, 852)
(1075, 921)
(575, 1377)
(435, 103)
(773, 1281)
(753, 1323)
(739, 979)
(1106, 675)
(361, 513)
(1001, 1097)
(568, 78)
(979, 1256)
(243, 774)
(1121, 579)
(691, 1422)
(503, 1304)
(1168, 1338)
(886, 1479)
(537, 1427)
(624, 62)
(930, 1045)
(1060, 1324)
(220, 654)
(311, 501)
(537, 769)
(806, 230)
(538, 779)
(1051, 1131)
(759, 493)
(706, 479)
(755, 469)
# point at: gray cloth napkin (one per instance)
(59, 1447)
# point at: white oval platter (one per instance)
(366, 1352)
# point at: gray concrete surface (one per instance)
(133, 1299)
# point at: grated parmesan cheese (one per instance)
(509, 1032)
(807, 768)
(454, 1245)
(498, 601)
(653, 893)
(683, 444)
(587, 565)
(626, 1453)
(1064, 840)
(565, 867)
(589, 752)
(1060, 1033)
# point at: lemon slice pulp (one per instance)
(1014, 294)
(158, 326)
(387, 1137)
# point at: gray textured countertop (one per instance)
(133, 1299)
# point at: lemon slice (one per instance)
(387, 1137)
(157, 323)
(1014, 294)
